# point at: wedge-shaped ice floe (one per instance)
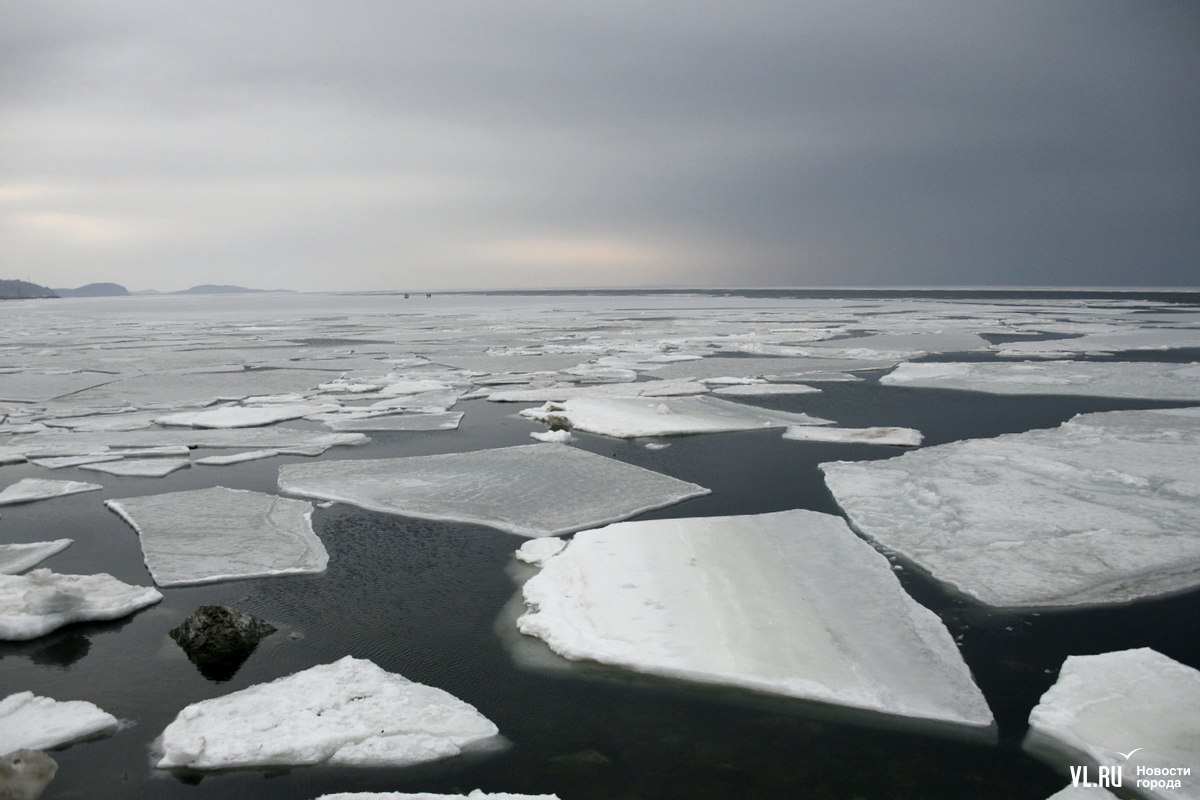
(1141, 379)
(1103, 509)
(899, 437)
(631, 417)
(242, 416)
(16, 558)
(348, 713)
(139, 467)
(39, 723)
(789, 603)
(530, 490)
(475, 795)
(236, 458)
(29, 489)
(764, 389)
(122, 442)
(33, 604)
(445, 421)
(1104, 706)
(219, 534)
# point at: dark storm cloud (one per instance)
(375, 144)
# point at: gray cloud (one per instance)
(370, 145)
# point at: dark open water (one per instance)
(424, 599)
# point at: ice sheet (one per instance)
(1102, 509)
(242, 416)
(33, 604)
(348, 713)
(28, 490)
(789, 603)
(139, 467)
(446, 421)
(16, 558)
(900, 437)
(1141, 379)
(216, 534)
(530, 490)
(109, 442)
(39, 723)
(1104, 706)
(564, 391)
(631, 417)
(236, 458)
(764, 389)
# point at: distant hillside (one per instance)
(214, 288)
(95, 290)
(16, 290)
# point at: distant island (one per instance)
(20, 290)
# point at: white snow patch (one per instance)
(348, 713)
(40, 601)
(560, 436)
(16, 558)
(529, 490)
(537, 551)
(1103, 706)
(1102, 509)
(28, 490)
(789, 603)
(28, 721)
(216, 534)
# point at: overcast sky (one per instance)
(450, 145)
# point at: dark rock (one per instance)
(25, 773)
(218, 639)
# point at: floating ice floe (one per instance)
(530, 490)
(219, 534)
(1133, 379)
(1104, 706)
(475, 795)
(33, 604)
(139, 467)
(1100, 343)
(560, 436)
(242, 416)
(28, 490)
(764, 389)
(631, 417)
(899, 437)
(1082, 792)
(789, 603)
(40, 723)
(236, 458)
(348, 713)
(446, 421)
(61, 462)
(124, 442)
(16, 558)
(775, 368)
(1103, 509)
(565, 391)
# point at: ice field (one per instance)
(778, 546)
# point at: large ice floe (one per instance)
(1103, 509)
(1127, 379)
(789, 603)
(217, 534)
(631, 417)
(899, 437)
(530, 490)
(33, 604)
(39, 723)
(443, 421)
(242, 416)
(139, 467)
(28, 490)
(1134, 709)
(348, 713)
(16, 558)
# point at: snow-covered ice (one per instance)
(236, 458)
(1082, 792)
(1127, 379)
(1103, 509)
(559, 436)
(29, 721)
(764, 389)
(1104, 706)
(242, 416)
(789, 603)
(560, 392)
(530, 490)
(348, 713)
(444, 421)
(139, 467)
(16, 558)
(28, 490)
(217, 534)
(900, 437)
(631, 417)
(33, 604)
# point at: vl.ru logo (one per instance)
(1108, 777)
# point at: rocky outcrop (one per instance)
(219, 639)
